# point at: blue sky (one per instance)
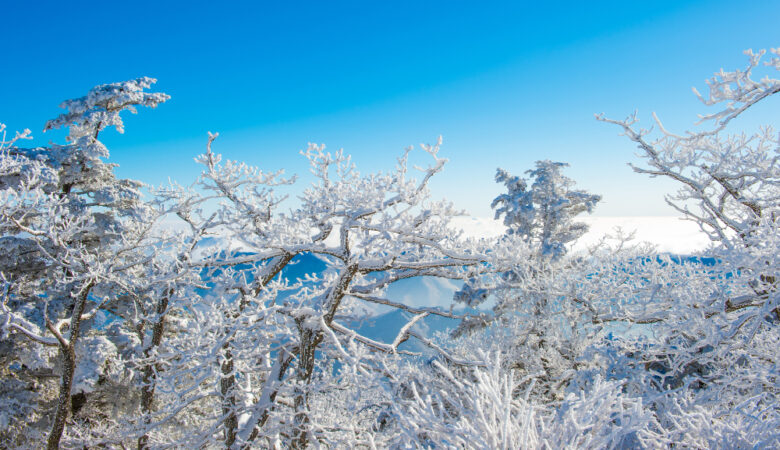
(505, 83)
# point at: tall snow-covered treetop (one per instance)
(80, 162)
(543, 213)
(100, 108)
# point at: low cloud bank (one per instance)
(668, 234)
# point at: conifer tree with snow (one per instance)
(543, 213)
(544, 338)
(75, 235)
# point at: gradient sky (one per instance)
(505, 83)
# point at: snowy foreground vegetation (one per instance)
(118, 330)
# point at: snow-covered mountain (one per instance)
(382, 323)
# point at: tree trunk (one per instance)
(309, 341)
(68, 354)
(150, 374)
(227, 368)
(228, 391)
(267, 397)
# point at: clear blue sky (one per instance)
(505, 83)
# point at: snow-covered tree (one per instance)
(543, 213)
(732, 180)
(713, 325)
(75, 234)
(260, 347)
(728, 182)
(539, 332)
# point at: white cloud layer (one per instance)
(668, 234)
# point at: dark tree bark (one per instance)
(150, 371)
(68, 355)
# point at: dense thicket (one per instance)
(177, 318)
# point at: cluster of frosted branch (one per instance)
(732, 179)
(264, 342)
(738, 90)
(492, 408)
